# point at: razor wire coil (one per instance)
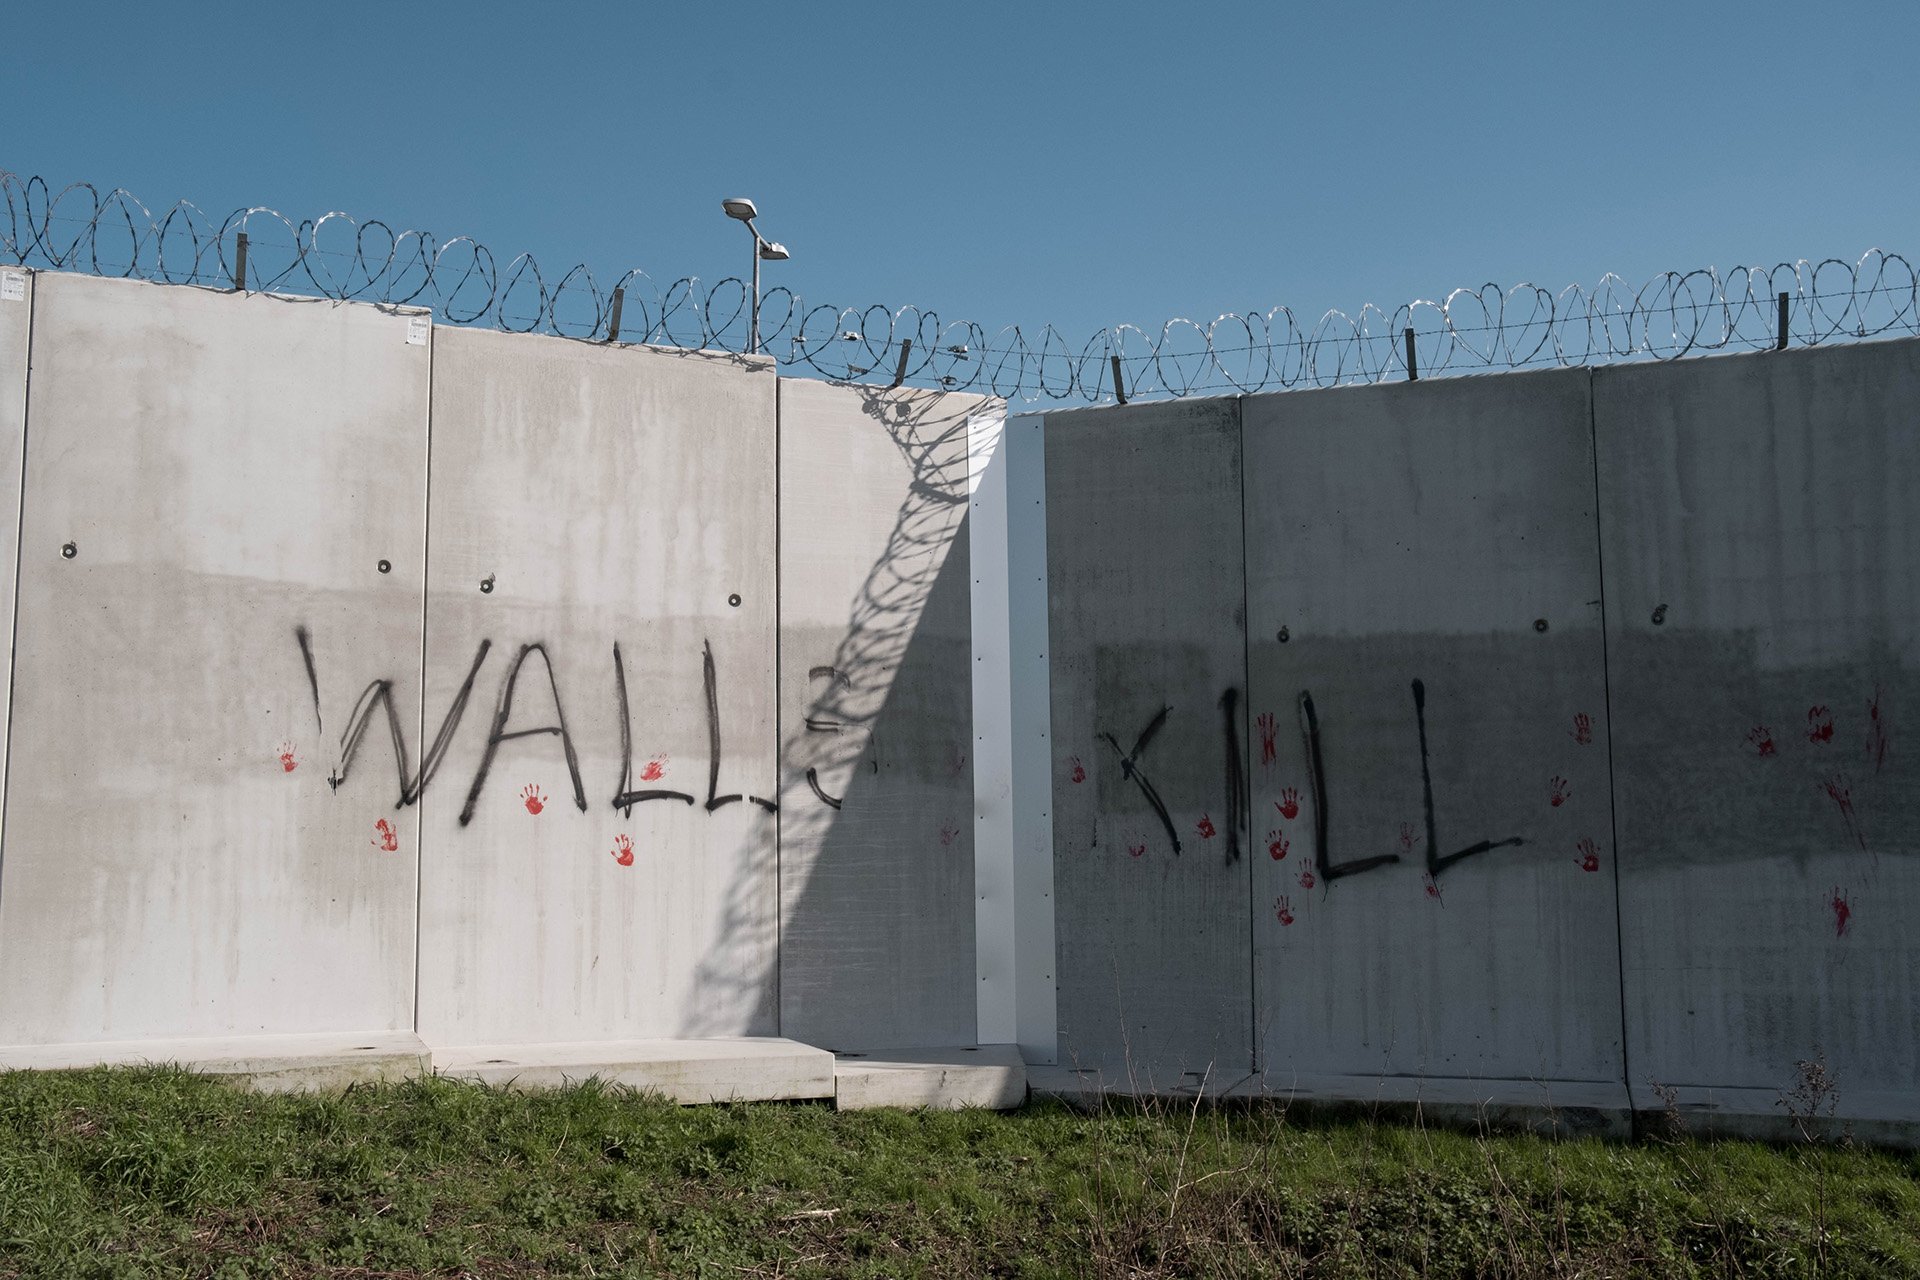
(1672, 315)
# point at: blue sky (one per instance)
(1016, 162)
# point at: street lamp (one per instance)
(742, 208)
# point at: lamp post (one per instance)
(742, 208)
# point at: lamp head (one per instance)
(773, 252)
(740, 207)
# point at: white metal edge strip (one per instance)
(994, 940)
(1030, 690)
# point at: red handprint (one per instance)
(1267, 728)
(1433, 887)
(1277, 845)
(1079, 773)
(287, 762)
(1583, 729)
(1819, 725)
(1842, 912)
(1282, 911)
(385, 838)
(1288, 804)
(535, 801)
(1557, 791)
(1306, 877)
(1205, 827)
(1406, 837)
(1589, 854)
(623, 850)
(656, 767)
(1137, 845)
(948, 833)
(1761, 739)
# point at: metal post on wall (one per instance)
(1781, 345)
(613, 317)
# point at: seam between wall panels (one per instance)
(1606, 687)
(779, 722)
(426, 572)
(1243, 745)
(19, 552)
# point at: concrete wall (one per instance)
(1152, 857)
(1532, 739)
(222, 471)
(1480, 770)
(16, 323)
(403, 678)
(1428, 552)
(1767, 509)
(877, 769)
(598, 850)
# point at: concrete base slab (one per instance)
(741, 1069)
(945, 1079)
(1563, 1108)
(266, 1064)
(1086, 1086)
(1880, 1118)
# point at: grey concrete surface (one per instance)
(1767, 507)
(877, 938)
(262, 1064)
(1440, 533)
(606, 496)
(1146, 623)
(940, 1079)
(226, 469)
(16, 322)
(740, 1069)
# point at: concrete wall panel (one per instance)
(877, 894)
(584, 498)
(1761, 519)
(1146, 627)
(225, 469)
(16, 323)
(1440, 533)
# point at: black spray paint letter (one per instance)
(1236, 781)
(1317, 781)
(1130, 767)
(1435, 863)
(836, 679)
(499, 733)
(381, 691)
(713, 739)
(624, 796)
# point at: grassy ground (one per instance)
(159, 1173)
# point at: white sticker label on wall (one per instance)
(13, 286)
(417, 327)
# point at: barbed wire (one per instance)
(1672, 315)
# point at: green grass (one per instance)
(156, 1172)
